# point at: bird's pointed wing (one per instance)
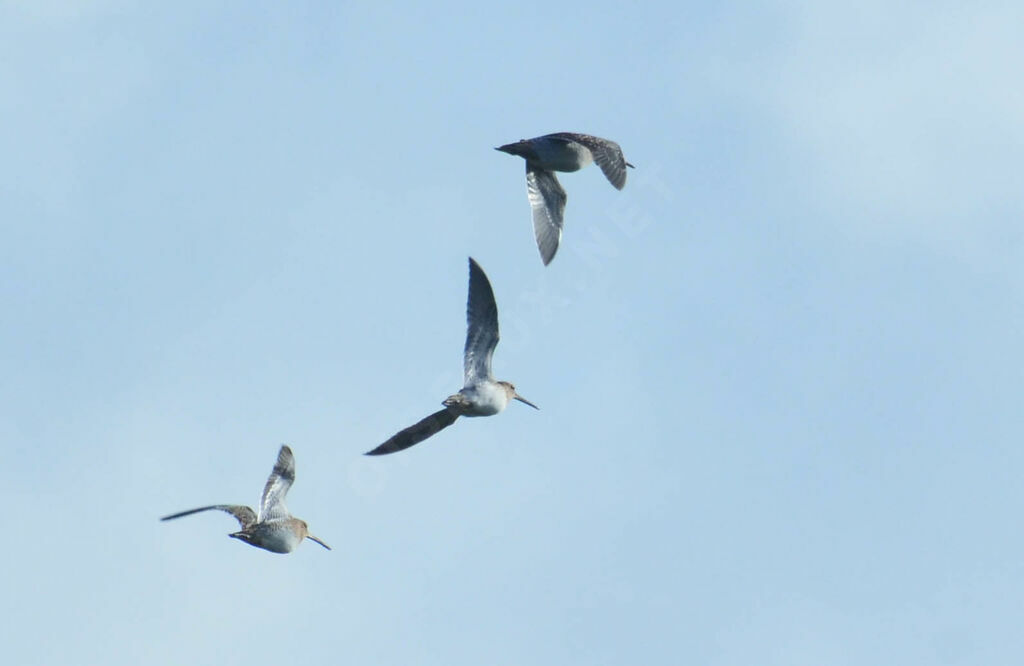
(243, 514)
(416, 433)
(481, 326)
(607, 154)
(280, 480)
(547, 199)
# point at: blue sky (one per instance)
(779, 373)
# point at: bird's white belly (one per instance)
(485, 399)
(279, 540)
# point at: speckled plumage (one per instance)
(273, 528)
(481, 394)
(561, 151)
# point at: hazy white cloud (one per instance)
(906, 118)
(230, 227)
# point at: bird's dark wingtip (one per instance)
(630, 165)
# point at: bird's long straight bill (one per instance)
(313, 538)
(522, 399)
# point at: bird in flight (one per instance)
(273, 528)
(481, 394)
(562, 151)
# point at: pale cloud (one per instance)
(908, 119)
(898, 125)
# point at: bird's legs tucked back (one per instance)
(458, 403)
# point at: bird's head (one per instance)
(510, 390)
(305, 532)
(521, 148)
